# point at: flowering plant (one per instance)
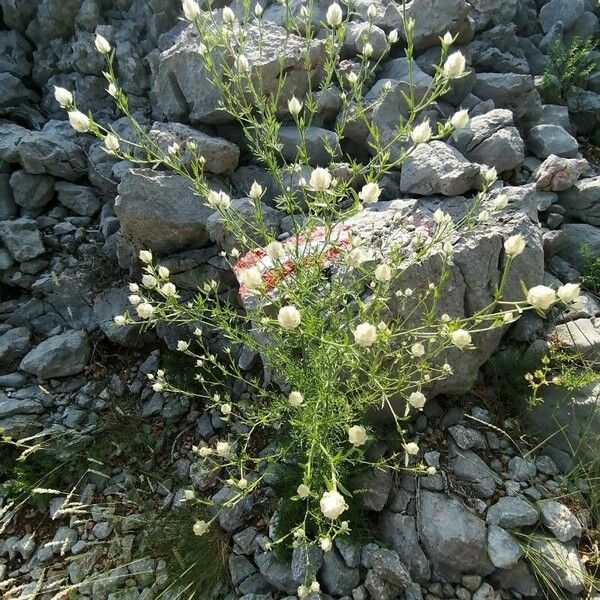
(326, 314)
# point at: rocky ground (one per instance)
(504, 515)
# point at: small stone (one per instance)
(485, 592)
(510, 512)
(560, 520)
(503, 549)
(22, 239)
(467, 438)
(102, 530)
(471, 582)
(545, 140)
(520, 469)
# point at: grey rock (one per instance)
(337, 578)
(221, 155)
(520, 469)
(510, 512)
(58, 356)
(8, 207)
(11, 406)
(557, 174)
(13, 344)
(80, 199)
(466, 438)
(559, 520)
(388, 566)
(565, 11)
(306, 562)
(240, 568)
(232, 518)
(560, 562)
(518, 578)
(321, 145)
(545, 140)
(484, 592)
(32, 191)
(580, 336)
(469, 467)
(453, 537)
(373, 489)
(359, 33)
(22, 239)
(582, 201)
(14, 92)
(503, 549)
(499, 11)
(151, 205)
(400, 531)
(277, 572)
(577, 235)
(437, 168)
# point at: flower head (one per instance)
(383, 273)
(332, 504)
(357, 435)
(223, 448)
(541, 297)
(228, 16)
(370, 193)
(356, 257)
(460, 119)
(448, 39)
(326, 544)
(146, 257)
(111, 143)
(303, 491)
(514, 245)
(275, 250)
(295, 399)
(102, 44)
(365, 335)
(169, 289)
(256, 191)
(421, 134)
(411, 448)
(569, 292)
(191, 10)
(200, 528)
(417, 400)
(320, 179)
(63, 96)
(120, 320)
(149, 281)
(79, 122)
(455, 65)
(218, 200)
(294, 106)
(334, 15)
(144, 310)
(461, 338)
(417, 350)
(288, 317)
(251, 279)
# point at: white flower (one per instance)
(258, 10)
(303, 491)
(334, 15)
(357, 435)
(228, 16)
(204, 451)
(288, 317)
(275, 250)
(242, 483)
(514, 245)
(79, 122)
(120, 320)
(417, 400)
(295, 399)
(332, 504)
(200, 528)
(365, 335)
(173, 148)
(569, 292)
(102, 44)
(223, 448)
(431, 470)
(500, 203)
(218, 200)
(63, 96)
(302, 592)
(489, 174)
(371, 11)
(144, 310)
(189, 494)
(169, 289)
(370, 193)
(320, 179)
(356, 257)
(421, 134)
(448, 39)
(461, 338)
(367, 50)
(111, 143)
(326, 544)
(112, 90)
(541, 297)
(182, 346)
(411, 448)
(134, 287)
(251, 278)
(417, 350)
(315, 586)
(157, 387)
(242, 64)
(393, 36)
(460, 119)
(134, 299)
(256, 191)
(455, 65)
(352, 78)
(149, 281)
(145, 256)
(383, 273)
(163, 272)
(226, 409)
(191, 10)
(294, 106)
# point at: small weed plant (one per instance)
(326, 313)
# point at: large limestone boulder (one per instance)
(181, 85)
(159, 211)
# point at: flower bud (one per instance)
(191, 10)
(334, 15)
(294, 106)
(63, 96)
(102, 44)
(455, 65)
(79, 122)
